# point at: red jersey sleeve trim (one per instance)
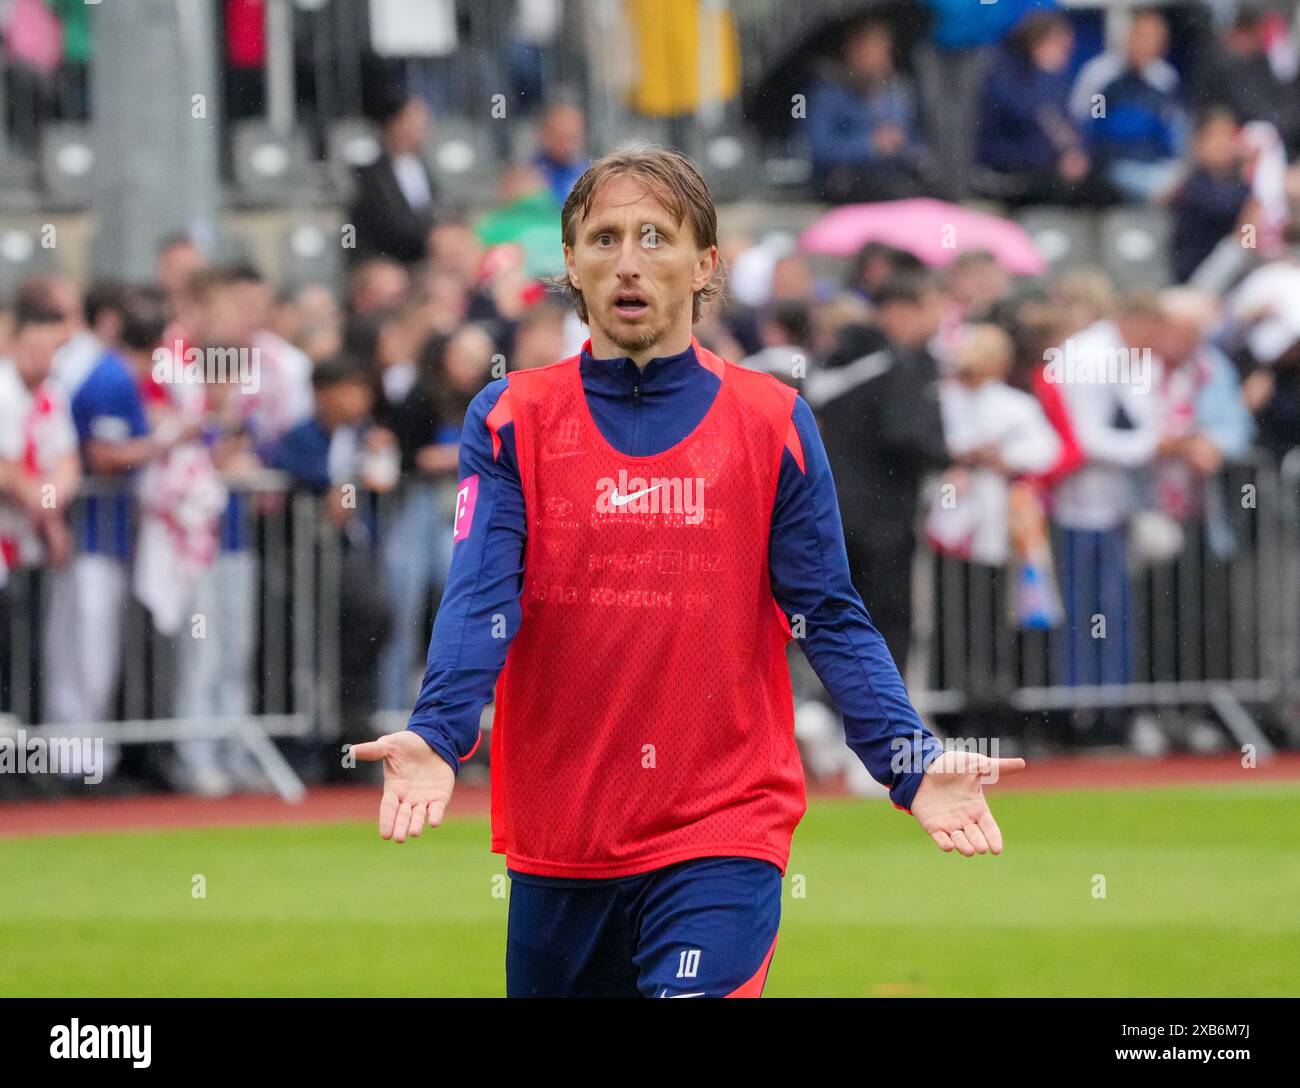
(795, 445)
(498, 418)
(477, 741)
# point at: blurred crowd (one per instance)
(1196, 109)
(1057, 399)
(1195, 106)
(1051, 428)
(1002, 106)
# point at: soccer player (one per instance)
(640, 530)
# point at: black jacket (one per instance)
(878, 406)
(387, 226)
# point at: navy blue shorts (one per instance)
(700, 928)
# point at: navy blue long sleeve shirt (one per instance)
(1024, 119)
(643, 413)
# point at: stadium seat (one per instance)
(311, 252)
(788, 175)
(730, 161)
(1135, 246)
(18, 184)
(523, 139)
(1063, 235)
(350, 143)
(22, 255)
(67, 164)
(463, 162)
(270, 168)
(636, 130)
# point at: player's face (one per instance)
(637, 268)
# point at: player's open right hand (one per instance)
(417, 783)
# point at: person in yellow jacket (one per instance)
(675, 41)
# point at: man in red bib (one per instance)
(640, 530)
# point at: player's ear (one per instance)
(704, 268)
(571, 267)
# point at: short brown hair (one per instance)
(672, 179)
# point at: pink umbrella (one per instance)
(933, 231)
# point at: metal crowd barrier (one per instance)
(291, 689)
(1206, 628)
(296, 684)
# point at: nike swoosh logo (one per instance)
(667, 994)
(615, 499)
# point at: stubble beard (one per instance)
(633, 340)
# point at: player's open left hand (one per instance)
(417, 783)
(950, 804)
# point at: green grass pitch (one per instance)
(1202, 897)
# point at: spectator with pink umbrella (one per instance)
(931, 230)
